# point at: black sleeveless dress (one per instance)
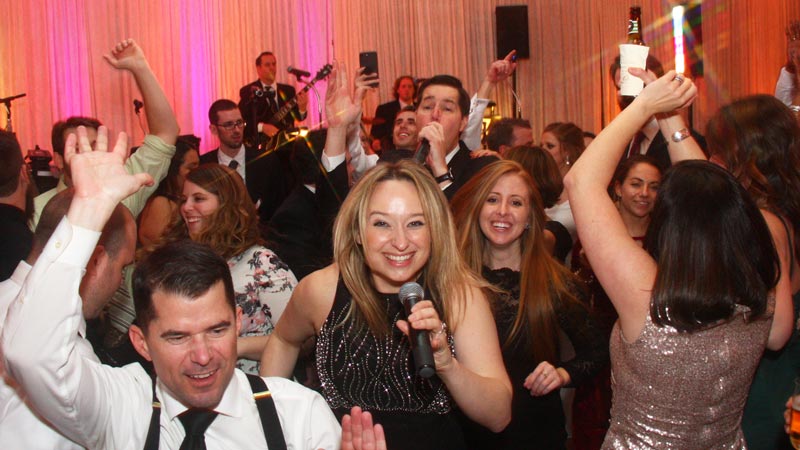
(357, 368)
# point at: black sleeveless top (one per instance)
(357, 368)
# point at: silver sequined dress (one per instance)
(684, 390)
(377, 373)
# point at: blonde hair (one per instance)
(543, 280)
(233, 227)
(445, 275)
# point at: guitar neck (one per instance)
(289, 105)
(292, 102)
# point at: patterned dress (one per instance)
(263, 285)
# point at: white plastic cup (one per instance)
(631, 55)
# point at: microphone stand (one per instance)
(7, 101)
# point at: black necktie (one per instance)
(233, 164)
(195, 423)
(273, 101)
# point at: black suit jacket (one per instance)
(256, 109)
(463, 167)
(297, 233)
(386, 112)
(268, 178)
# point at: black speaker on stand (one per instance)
(511, 25)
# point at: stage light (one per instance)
(677, 37)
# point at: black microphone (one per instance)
(422, 151)
(299, 73)
(137, 106)
(410, 294)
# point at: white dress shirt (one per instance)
(225, 160)
(784, 86)
(104, 407)
(20, 428)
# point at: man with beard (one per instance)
(267, 177)
(16, 204)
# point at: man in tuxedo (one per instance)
(261, 99)
(442, 113)
(267, 176)
(403, 92)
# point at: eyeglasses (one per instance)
(229, 126)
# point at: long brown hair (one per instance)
(445, 275)
(233, 228)
(758, 140)
(543, 280)
(570, 136)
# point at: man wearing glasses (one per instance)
(266, 179)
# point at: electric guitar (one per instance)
(272, 143)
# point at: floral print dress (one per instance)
(262, 284)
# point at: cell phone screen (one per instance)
(369, 60)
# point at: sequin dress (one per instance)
(377, 373)
(684, 390)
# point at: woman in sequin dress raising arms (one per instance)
(697, 304)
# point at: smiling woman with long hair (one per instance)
(217, 211)
(395, 227)
(500, 223)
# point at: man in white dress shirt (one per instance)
(190, 335)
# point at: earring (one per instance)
(527, 226)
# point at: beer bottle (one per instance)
(635, 26)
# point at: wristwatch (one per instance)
(445, 177)
(681, 135)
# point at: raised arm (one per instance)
(343, 113)
(40, 338)
(624, 269)
(498, 72)
(161, 121)
(681, 145)
(155, 153)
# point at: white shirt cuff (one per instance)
(71, 244)
(331, 162)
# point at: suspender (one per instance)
(266, 412)
(154, 432)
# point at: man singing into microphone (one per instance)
(261, 99)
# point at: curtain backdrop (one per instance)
(202, 50)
